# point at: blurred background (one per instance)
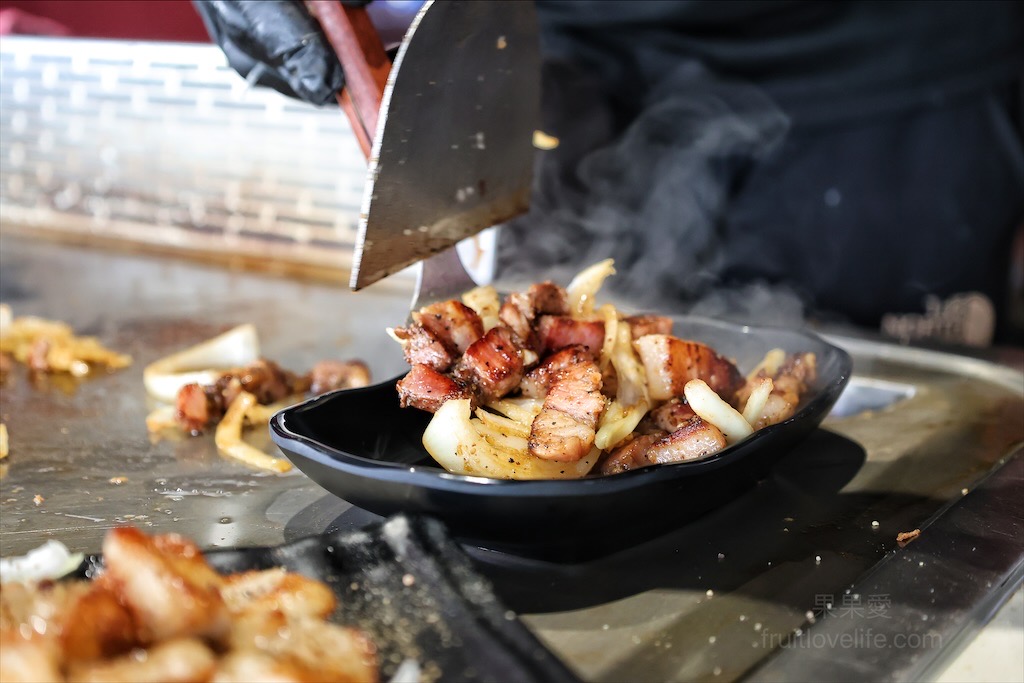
(121, 124)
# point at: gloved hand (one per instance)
(276, 43)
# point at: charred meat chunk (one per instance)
(426, 388)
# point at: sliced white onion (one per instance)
(712, 408)
(51, 560)
(757, 400)
(6, 318)
(453, 440)
(202, 363)
(584, 287)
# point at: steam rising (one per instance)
(652, 199)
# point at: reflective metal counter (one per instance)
(722, 598)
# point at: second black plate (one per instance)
(361, 446)
(415, 593)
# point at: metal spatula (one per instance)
(447, 129)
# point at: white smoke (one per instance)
(653, 199)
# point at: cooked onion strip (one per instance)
(457, 443)
(632, 377)
(51, 346)
(611, 328)
(757, 399)
(202, 363)
(519, 409)
(617, 422)
(228, 437)
(485, 301)
(710, 407)
(504, 425)
(585, 285)
(771, 363)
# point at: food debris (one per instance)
(502, 42)
(52, 346)
(117, 481)
(543, 141)
(905, 537)
(874, 524)
(38, 499)
(4, 450)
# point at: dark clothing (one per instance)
(864, 155)
(820, 61)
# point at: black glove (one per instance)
(276, 43)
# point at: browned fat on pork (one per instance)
(420, 347)
(695, 439)
(520, 310)
(331, 375)
(629, 456)
(426, 388)
(452, 322)
(671, 415)
(493, 364)
(643, 325)
(538, 380)
(565, 428)
(671, 362)
(199, 406)
(440, 333)
(558, 331)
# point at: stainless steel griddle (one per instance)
(724, 598)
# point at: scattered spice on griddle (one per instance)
(905, 537)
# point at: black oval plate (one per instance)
(361, 446)
(415, 593)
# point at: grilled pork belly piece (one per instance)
(556, 332)
(694, 439)
(790, 382)
(331, 375)
(648, 323)
(165, 583)
(671, 415)
(452, 322)
(493, 365)
(629, 456)
(426, 388)
(565, 428)
(671, 362)
(440, 333)
(521, 310)
(199, 406)
(536, 382)
(420, 347)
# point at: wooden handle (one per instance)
(362, 57)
